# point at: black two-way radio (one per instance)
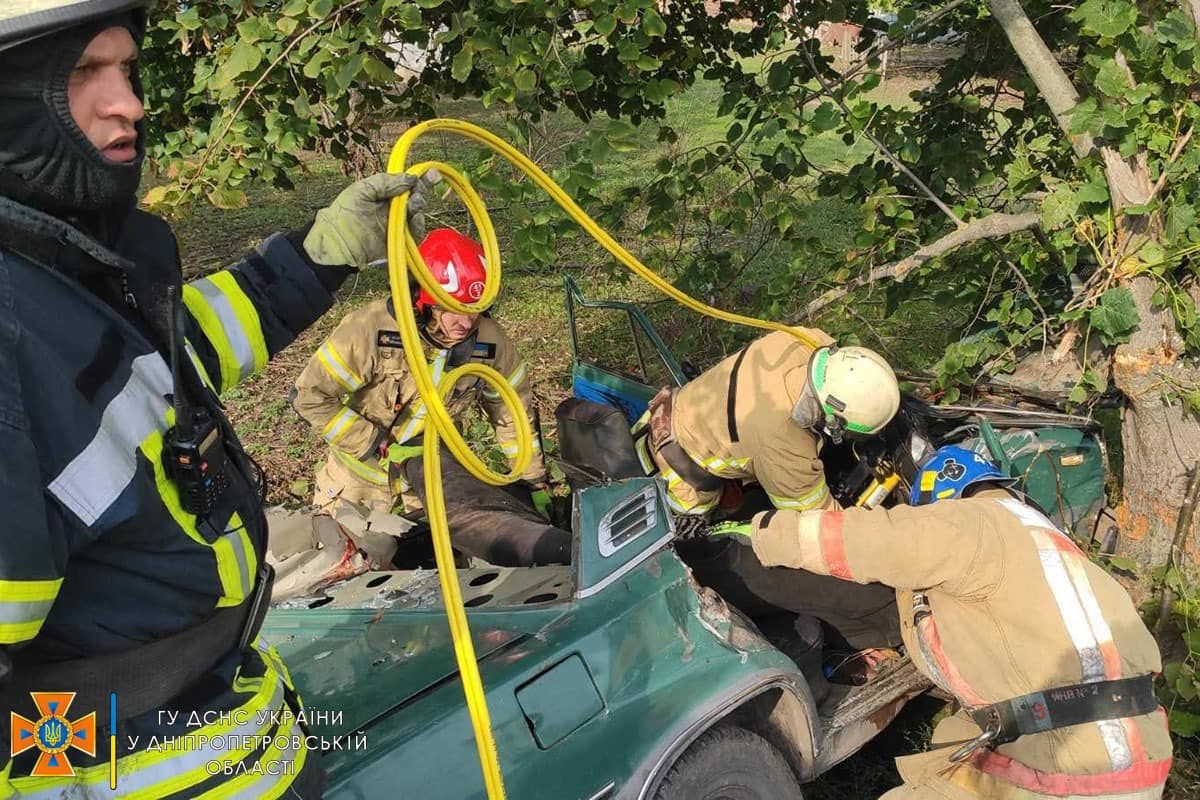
(194, 453)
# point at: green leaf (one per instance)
(294, 8)
(653, 24)
(228, 198)
(525, 80)
(1183, 723)
(1176, 28)
(1115, 316)
(1111, 80)
(1119, 563)
(779, 77)
(1105, 17)
(606, 24)
(1092, 193)
(1077, 395)
(315, 64)
(349, 71)
(243, 58)
(1058, 208)
(319, 9)
(1180, 217)
(826, 117)
(581, 79)
(460, 67)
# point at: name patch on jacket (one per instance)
(389, 339)
(484, 351)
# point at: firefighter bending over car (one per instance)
(762, 415)
(1043, 650)
(357, 391)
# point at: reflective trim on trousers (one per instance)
(813, 499)
(97, 476)
(362, 470)
(146, 775)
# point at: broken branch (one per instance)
(990, 227)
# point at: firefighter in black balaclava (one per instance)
(131, 554)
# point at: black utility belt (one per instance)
(1061, 707)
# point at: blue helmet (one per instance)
(949, 472)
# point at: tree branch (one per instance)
(888, 154)
(991, 227)
(1047, 74)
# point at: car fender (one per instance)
(776, 704)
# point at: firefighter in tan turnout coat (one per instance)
(759, 415)
(357, 391)
(1043, 650)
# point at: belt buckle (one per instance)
(983, 740)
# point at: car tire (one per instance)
(729, 763)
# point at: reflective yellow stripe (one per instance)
(247, 315)
(415, 414)
(148, 775)
(231, 369)
(223, 552)
(641, 446)
(518, 375)
(336, 366)
(812, 499)
(23, 608)
(360, 469)
(230, 321)
(236, 563)
(713, 464)
(30, 591)
(339, 426)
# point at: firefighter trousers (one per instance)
(495, 523)
(863, 614)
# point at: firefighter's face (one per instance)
(101, 97)
(455, 327)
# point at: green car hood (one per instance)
(343, 659)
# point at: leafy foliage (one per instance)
(240, 89)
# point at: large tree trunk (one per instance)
(1161, 440)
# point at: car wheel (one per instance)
(729, 763)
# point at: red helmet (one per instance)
(457, 264)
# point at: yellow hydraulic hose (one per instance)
(403, 258)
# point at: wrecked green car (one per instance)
(620, 676)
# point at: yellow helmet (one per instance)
(850, 389)
(24, 20)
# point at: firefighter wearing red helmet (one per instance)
(358, 393)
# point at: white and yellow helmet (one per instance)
(849, 389)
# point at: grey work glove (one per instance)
(352, 231)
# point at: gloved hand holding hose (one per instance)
(352, 230)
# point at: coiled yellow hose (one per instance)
(403, 258)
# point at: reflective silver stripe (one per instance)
(262, 785)
(331, 359)
(416, 421)
(340, 424)
(20, 612)
(198, 364)
(232, 326)
(811, 500)
(239, 550)
(518, 375)
(147, 778)
(96, 477)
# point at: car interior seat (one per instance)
(594, 442)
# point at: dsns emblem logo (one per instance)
(53, 734)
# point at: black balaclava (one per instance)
(46, 161)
